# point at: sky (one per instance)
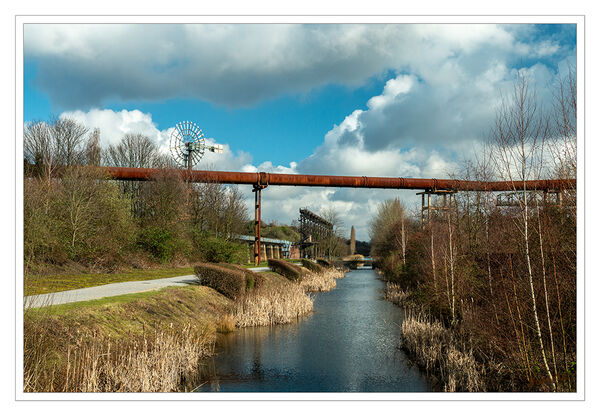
(399, 100)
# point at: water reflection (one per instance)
(349, 343)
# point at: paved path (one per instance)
(112, 289)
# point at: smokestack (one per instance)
(352, 241)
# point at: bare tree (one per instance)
(563, 142)
(388, 228)
(518, 138)
(38, 147)
(93, 149)
(334, 243)
(133, 151)
(48, 145)
(70, 141)
(564, 147)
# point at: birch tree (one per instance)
(517, 139)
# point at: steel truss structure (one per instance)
(314, 233)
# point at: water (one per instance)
(350, 343)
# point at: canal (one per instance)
(350, 343)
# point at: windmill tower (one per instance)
(187, 145)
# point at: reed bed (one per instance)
(339, 272)
(161, 361)
(437, 350)
(395, 294)
(277, 304)
(320, 282)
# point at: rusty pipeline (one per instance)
(264, 179)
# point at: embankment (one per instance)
(445, 351)
(150, 341)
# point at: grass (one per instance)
(149, 341)
(226, 324)
(39, 284)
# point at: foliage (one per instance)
(219, 250)
(312, 266)
(279, 232)
(73, 215)
(80, 218)
(229, 282)
(324, 262)
(286, 269)
(253, 280)
(157, 241)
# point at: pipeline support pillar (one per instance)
(257, 222)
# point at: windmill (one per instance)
(187, 144)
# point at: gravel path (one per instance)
(112, 289)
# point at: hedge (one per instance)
(253, 280)
(286, 269)
(324, 262)
(312, 266)
(229, 282)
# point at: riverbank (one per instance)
(149, 341)
(454, 357)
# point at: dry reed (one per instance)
(437, 350)
(226, 324)
(395, 294)
(278, 304)
(321, 282)
(165, 360)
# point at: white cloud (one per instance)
(114, 125)
(81, 66)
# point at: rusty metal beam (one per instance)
(257, 223)
(264, 179)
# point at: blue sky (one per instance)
(300, 121)
(386, 100)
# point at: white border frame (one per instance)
(207, 396)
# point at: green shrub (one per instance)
(219, 250)
(82, 218)
(312, 266)
(253, 280)
(286, 269)
(229, 282)
(324, 262)
(158, 242)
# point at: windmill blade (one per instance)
(187, 144)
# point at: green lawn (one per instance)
(35, 285)
(39, 284)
